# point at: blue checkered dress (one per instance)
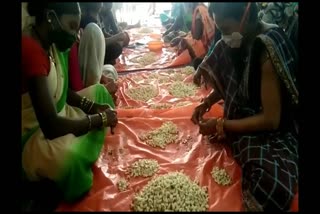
(268, 159)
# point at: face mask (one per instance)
(61, 38)
(235, 39)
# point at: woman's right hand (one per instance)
(199, 111)
(110, 84)
(176, 41)
(112, 118)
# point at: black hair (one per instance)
(38, 9)
(108, 5)
(90, 6)
(234, 10)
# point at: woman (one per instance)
(253, 70)
(111, 26)
(114, 43)
(166, 20)
(86, 62)
(217, 37)
(202, 34)
(62, 132)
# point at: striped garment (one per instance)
(268, 159)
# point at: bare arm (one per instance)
(212, 99)
(51, 124)
(269, 117)
(205, 106)
(73, 98)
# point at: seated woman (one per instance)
(111, 26)
(182, 22)
(62, 132)
(198, 43)
(114, 44)
(86, 62)
(166, 20)
(253, 70)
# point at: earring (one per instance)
(49, 20)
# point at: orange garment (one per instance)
(208, 25)
(202, 46)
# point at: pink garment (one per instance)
(75, 81)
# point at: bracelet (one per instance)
(86, 104)
(90, 122)
(104, 118)
(219, 128)
(92, 103)
(83, 99)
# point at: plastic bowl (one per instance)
(155, 45)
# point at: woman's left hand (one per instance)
(97, 108)
(176, 41)
(208, 126)
(183, 45)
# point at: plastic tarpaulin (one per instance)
(138, 42)
(196, 158)
(161, 80)
(162, 60)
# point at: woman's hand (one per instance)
(208, 126)
(199, 111)
(112, 119)
(201, 77)
(183, 44)
(111, 86)
(166, 33)
(109, 83)
(174, 42)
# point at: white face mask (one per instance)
(234, 40)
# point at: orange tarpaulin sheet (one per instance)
(165, 58)
(196, 158)
(161, 80)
